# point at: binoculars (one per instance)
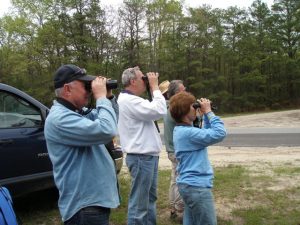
(110, 84)
(197, 105)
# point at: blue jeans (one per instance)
(198, 205)
(92, 215)
(143, 194)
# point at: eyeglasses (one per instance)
(88, 86)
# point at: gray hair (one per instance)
(59, 91)
(174, 87)
(129, 74)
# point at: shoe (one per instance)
(176, 217)
(173, 215)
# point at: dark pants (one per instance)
(92, 215)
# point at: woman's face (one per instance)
(191, 116)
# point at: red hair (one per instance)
(180, 105)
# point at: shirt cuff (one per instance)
(210, 115)
(157, 92)
(110, 97)
(102, 101)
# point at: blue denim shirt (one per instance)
(190, 144)
(83, 170)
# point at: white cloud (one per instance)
(5, 4)
(224, 3)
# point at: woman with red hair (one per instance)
(195, 178)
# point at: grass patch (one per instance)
(251, 201)
(287, 170)
(241, 197)
(230, 178)
(273, 208)
(119, 216)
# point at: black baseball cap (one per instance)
(69, 72)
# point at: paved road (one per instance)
(260, 137)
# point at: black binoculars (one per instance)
(110, 84)
(197, 105)
(145, 78)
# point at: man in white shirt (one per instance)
(141, 141)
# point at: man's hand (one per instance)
(153, 80)
(99, 87)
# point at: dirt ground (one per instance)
(223, 156)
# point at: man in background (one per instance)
(176, 202)
(141, 141)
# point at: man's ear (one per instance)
(67, 89)
(132, 82)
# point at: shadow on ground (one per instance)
(38, 208)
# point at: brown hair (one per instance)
(180, 105)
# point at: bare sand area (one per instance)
(258, 156)
(287, 119)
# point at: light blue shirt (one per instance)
(190, 144)
(83, 170)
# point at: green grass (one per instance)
(241, 195)
(273, 208)
(287, 170)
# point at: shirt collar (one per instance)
(127, 92)
(183, 124)
(68, 105)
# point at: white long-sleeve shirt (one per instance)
(138, 133)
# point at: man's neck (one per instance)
(131, 90)
(65, 102)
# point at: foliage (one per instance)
(245, 60)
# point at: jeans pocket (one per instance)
(146, 158)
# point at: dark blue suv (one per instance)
(24, 163)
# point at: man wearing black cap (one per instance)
(83, 170)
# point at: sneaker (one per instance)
(173, 215)
(176, 217)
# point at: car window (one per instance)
(16, 112)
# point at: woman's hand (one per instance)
(205, 105)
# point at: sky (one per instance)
(5, 4)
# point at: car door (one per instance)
(23, 152)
